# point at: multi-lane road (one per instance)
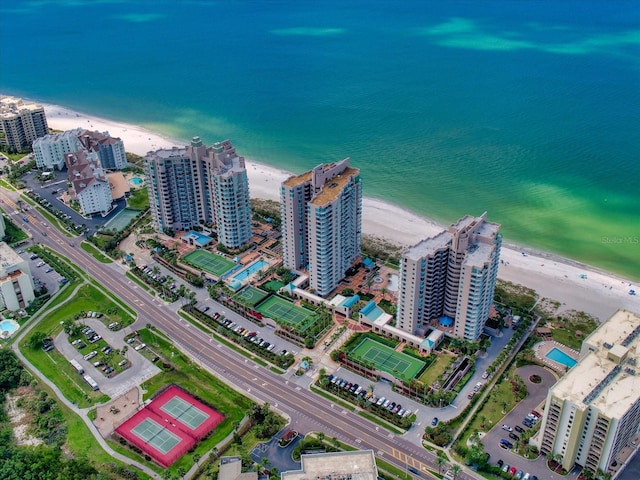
(301, 405)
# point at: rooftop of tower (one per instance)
(297, 180)
(334, 186)
(607, 376)
(429, 246)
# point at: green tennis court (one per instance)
(209, 262)
(156, 435)
(387, 359)
(250, 296)
(283, 311)
(185, 412)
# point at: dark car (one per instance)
(514, 437)
(500, 463)
(434, 422)
(519, 429)
(413, 470)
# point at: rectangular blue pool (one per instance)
(251, 269)
(559, 356)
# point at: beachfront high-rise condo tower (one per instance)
(322, 223)
(21, 123)
(199, 185)
(451, 275)
(592, 414)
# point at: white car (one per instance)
(140, 347)
(507, 428)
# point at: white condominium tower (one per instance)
(51, 149)
(593, 411)
(197, 184)
(453, 275)
(21, 123)
(322, 223)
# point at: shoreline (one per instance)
(600, 294)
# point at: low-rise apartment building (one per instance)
(16, 284)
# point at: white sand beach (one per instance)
(599, 293)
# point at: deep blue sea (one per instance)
(528, 109)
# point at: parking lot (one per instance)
(140, 370)
(42, 273)
(512, 424)
(46, 193)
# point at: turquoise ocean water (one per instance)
(528, 109)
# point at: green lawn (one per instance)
(139, 199)
(499, 403)
(95, 253)
(437, 368)
(6, 185)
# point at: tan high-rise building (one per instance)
(322, 223)
(201, 184)
(593, 412)
(451, 275)
(21, 123)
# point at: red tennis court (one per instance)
(170, 425)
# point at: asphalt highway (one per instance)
(301, 405)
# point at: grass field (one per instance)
(273, 285)
(283, 311)
(97, 254)
(250, 296)
(209, 262)
(387, 359)
(139, 199)
(437, 368)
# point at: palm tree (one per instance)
(455, 470)
(441, 459)
(196, 458)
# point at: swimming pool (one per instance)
(7, 327)
(559, 356)
(251, 269)
(136, 181)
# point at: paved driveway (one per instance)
(279, 457)
(537, 394)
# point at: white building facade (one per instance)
(451, 275)
(51, 149)
(16, 284)
(322, 223)
(89, 185)
(593, 412)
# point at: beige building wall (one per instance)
(593, 412)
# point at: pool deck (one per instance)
(542, 348)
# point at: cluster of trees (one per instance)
(46, 460)
(266, 422)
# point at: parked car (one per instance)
(513, 436)
(519, 429)
(505, 468)
(90, 355)
(434, 422)
(507, 428)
